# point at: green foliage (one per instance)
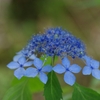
(52, 90)
(22, 89)
(49, 59)
(18, 92)
(83, 93)
(34, 84)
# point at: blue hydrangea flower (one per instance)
(32, 72)
(68, 69)
(91, 67)
(19, 66)
(53, 42)
(24, 53)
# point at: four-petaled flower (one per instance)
(69, 77)
(32, 72)
(24, 53)
(18, 65)
(92, 66)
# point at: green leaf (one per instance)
(83, 93)
(52, 89)
(19, 91)
(34, 84)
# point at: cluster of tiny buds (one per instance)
(53, 42)
(56, 41)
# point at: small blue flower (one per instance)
(32, 72)
(24, 53)
(69, 77)
(92, 66)
(18, 65)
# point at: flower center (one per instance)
(92, 67)
(67, 69)
(39, 70)
(21, 65)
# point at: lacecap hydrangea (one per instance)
(53, 42)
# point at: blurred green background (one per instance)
(20, 19)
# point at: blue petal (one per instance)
(20, 72)
(31, 72)
(13, 65)
(15, 58)
(96, 73)
(22, 60)
(86, 70)
(43, 77)
(91, 62)
(29, 63)
(66, 62)
(33, 56)
(59, 69)
(38, 63)
(69, 78)
(47, 68)
(94, 63)
(87, 59)
(25, 52)
(20, 52)
(75, 68)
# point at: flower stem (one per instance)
(52, 61)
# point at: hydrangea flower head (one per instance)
(53, 42)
